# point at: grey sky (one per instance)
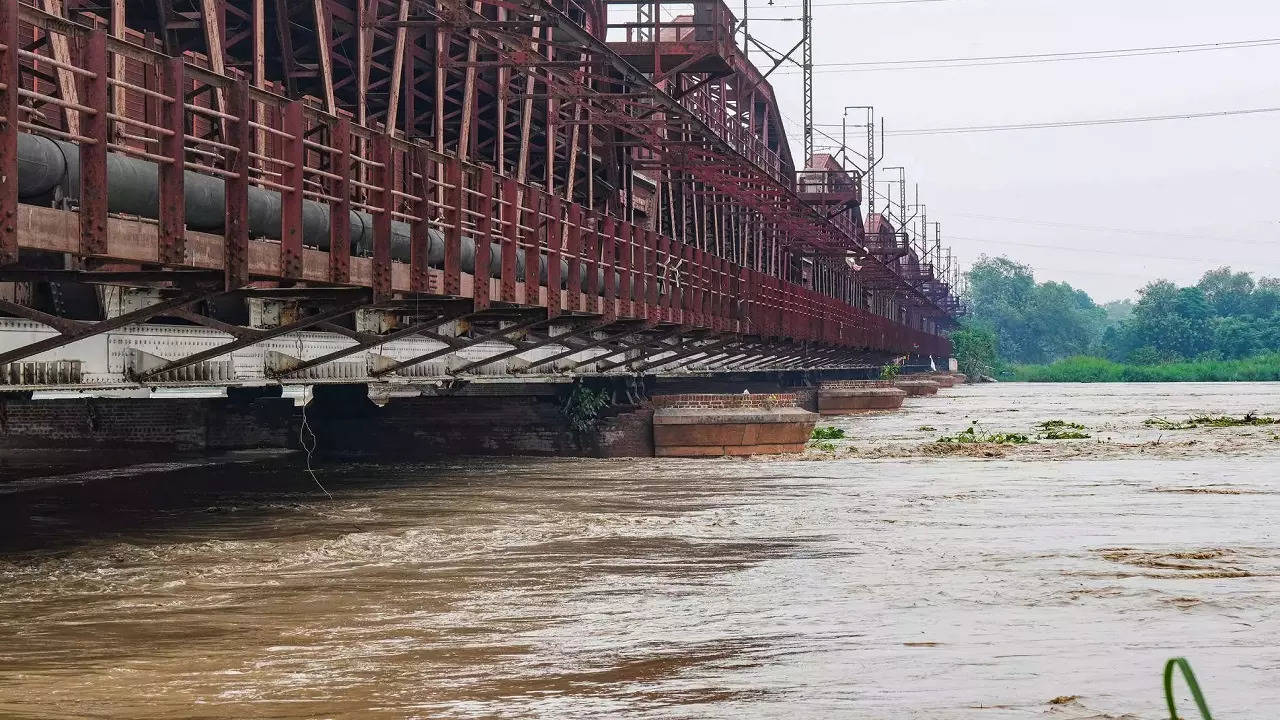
(1213, 185)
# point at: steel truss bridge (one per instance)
(246, 191)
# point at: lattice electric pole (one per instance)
(937, 240)
(807, 64)
(869, 175)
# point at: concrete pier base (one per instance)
(917, 388)
(715, 425)
(944, 380)
(854, 396)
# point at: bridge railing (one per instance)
(403, 205)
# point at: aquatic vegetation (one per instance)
(1248, 419)
(972, 435)
(927, 428)
(823, 446)
(1163, 424)
(1213, 421)
(827, 433)
(1061, 430)
(1063, 435)
(1059, 425)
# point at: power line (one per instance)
(998, 60)
(1072, 123)
(1122, 253)
(1108, 229)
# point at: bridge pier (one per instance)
(845, 397)
(701, 425)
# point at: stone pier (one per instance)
(944, 380)
(699, 425)
(844, 397)
(917, 388)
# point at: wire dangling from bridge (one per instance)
(305, 429)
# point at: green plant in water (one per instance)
(971, 435)
(889, 372)
(824, 447)
(927, 428)
(827, 433)
(1061, 430)
(1163, 424)
(1249, 419)
(1216, 421)
(1063, 435)
(583, 406)
(1059, 425)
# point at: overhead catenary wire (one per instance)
(1073, 123)
(1031, 58)
(1199, 237)
(1093, 251)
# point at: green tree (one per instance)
(1266, 297)
(1000, 291)
(1033, 323)
(1176, 322)
(974, 345)
(1236, 337)
(1118, 311)
(1228, 293)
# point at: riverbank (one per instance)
(1086, 369)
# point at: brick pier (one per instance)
(699, 425)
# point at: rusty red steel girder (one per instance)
(514, 122)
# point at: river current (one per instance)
(883, 579)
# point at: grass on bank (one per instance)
(1093, 369)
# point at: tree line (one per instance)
(1015, 320)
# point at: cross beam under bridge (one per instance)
(469, 347)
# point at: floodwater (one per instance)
(880, 580)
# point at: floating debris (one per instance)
(971, 435)
(1215, 421)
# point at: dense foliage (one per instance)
(974, 346)
(1168, 333)
(1033, 322)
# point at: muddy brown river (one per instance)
(880, 577)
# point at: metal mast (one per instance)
(807, 63)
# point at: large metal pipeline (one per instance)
(46, 165)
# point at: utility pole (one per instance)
(901, 182)
(937, 240)
(924, 225)
(807, 64)
(869, 176)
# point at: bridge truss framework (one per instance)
(507, 187)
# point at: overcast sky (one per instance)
(1198, 193)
